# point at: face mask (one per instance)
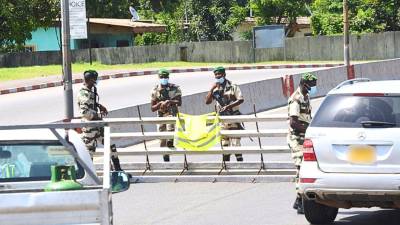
(220, 80)
(313, 91)
(163, 81)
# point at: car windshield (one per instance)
(24, 161)
(358, 111)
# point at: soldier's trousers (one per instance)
(164, 142)
(231, 142)
(91, 136)
(296, 146)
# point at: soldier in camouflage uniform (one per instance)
(228, 97)
(90, 109)
(165, 99)
(299, 112)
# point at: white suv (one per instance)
(352, 150)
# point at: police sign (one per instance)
(77, 19)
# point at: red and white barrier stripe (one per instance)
(150, 72)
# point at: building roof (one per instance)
(136, 27)
(299, 20)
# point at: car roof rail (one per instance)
(352, 81)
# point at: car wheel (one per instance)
(319, 214)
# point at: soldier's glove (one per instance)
(103, 110)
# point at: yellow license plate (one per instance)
(361, 154)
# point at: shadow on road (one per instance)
(384, 217)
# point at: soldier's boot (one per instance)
(239, 157)
(226, 157)
(300, 208)
(170, 144)
(296, 202)
(115, 159)
(166, 158)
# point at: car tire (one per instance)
(317, 213)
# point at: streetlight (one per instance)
(66, 60)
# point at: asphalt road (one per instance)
(47, 105)
(226, 203)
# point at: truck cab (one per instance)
(27, 159)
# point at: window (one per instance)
(33, 161)
(350, 111)
(30, 48)
(122, 43)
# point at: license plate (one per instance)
(361, 154)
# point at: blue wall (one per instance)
(48, 39)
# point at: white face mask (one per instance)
(220, 80)
(313, 91)
(164, 81)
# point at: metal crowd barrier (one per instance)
(214, 171)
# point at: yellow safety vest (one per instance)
(193, 133)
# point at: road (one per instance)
(47, 105)
(227, 203)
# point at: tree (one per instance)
(275, 11)
(365, 16)
(207, 19)
(18, 18)
(214, 20)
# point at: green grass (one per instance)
(43, 71)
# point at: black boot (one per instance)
(296, 202)
(166, 158)
(226, 158)
(115, 159)
(239, 157)
(300, 208)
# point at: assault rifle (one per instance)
(223, 102)
(165, 96)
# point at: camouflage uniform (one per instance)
(87, 100)
(159, 94)
(299, 106)
(230, 93)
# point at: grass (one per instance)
(43, 71)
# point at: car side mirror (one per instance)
(5, 154)
(119, 181)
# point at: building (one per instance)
(300, 28)
(102, 33)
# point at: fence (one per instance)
(205, 171)
(363, 47)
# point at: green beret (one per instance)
(164, 72)
(219, 69)
(309, 77)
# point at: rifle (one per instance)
(96, 104)
(223, 102)
(165, 96)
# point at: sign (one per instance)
(77, 19)
(271, 36)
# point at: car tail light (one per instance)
(308, 180)
(308, 151)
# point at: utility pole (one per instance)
(66, 60)
(346, 34)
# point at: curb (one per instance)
(151, 72)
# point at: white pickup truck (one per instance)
(26, 160)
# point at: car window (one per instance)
(33, 161)
(350, 111)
